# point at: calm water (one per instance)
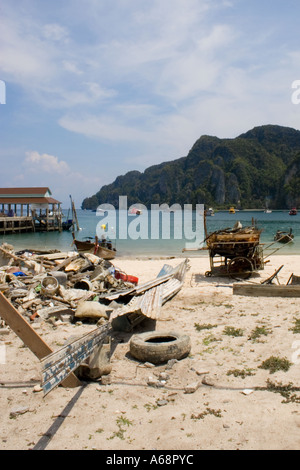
(269, 223)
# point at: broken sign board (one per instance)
(58, 365)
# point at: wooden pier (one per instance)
(43, 213)
(16, 224)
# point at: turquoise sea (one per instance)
(161, 246)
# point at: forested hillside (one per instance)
(255, 169)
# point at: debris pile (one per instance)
(67, 287)
(56, 285)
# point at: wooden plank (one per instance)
(66, 262)
(55, 256)
(266, 290)
(29, 336)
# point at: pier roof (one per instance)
(28, 195)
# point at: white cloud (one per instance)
(55, 32)
(22, 60)
(104, 128)
(71, 67)
(37, 162)
(135, 46)
(42, 169)
(145, 79)
(96, 91)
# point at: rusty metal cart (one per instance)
(235, 252)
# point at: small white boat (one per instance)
(210, 212)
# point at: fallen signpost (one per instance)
(58, 365)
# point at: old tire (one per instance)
(158, 347)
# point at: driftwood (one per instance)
(274, 276)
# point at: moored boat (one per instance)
(284, 237)
(210, 212)
(232, 210)
(67, 224)
(103, 248)
(293, 211)
(135, 211)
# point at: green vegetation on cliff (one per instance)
(257, 168)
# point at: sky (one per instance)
(92, 89)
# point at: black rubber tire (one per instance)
(159, 346)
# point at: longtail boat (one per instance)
(103, 248)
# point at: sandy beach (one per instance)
(235, 403)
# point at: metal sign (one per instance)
(58, 365)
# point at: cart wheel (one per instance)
(240, 268)
(208, 274)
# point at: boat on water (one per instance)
(135, 211)
(67, 224)
(102, 248)
(210, 212)
(293, 211)
(267, 211)
(284, 237)
(231, 210)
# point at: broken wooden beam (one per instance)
(29, 336)
(266, 290)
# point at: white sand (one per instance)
(227, 412)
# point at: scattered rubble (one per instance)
(18, 411)
(192, 388)
(70, 287)
(57, 286)
(60, 287)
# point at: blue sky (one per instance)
(96, 88)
